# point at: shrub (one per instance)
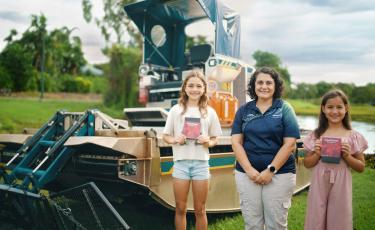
(75, 84)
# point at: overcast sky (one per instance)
(319, 40)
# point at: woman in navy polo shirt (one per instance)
(264, 136)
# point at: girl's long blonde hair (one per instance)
(203, 101)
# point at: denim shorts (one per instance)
(191, 170)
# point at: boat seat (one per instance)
(199, 54)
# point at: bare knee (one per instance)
(181, 208)
(200, 210)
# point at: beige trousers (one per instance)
(265, 206)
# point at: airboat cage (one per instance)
(174, 16)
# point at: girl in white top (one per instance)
(191, 156)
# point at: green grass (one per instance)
(358, 112)
(152, 216)
(19, 113)
(363, 207)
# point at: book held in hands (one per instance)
(331, 150)
(192, 128)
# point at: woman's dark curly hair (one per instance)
(279, 84)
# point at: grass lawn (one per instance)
(19, 113)
(142, 216)
(363, 207)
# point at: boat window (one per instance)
(158, 35)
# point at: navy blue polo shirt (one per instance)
(263, 133)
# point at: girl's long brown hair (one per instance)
(323, 121)
(202, 104)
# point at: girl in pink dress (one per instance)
(329, 205)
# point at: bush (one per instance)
(75, 84)
(17, 62)
(99, 84)
(370, 160)
(5, 79)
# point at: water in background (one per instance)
(366, 129)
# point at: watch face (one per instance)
(272, 169)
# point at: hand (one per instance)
(181, 139)
(253, 174)
(265, 177)
(317, 147)
(345, 149)
(203, 140)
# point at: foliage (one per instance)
(123, 77)
(114, 22)
(364, 94)
(370, 160)
(75, 84)
(264, 58)
(38, 50)
(5, 78)
(16, 68)
(358, 95)
(99, 84)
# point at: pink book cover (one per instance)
(331, 149)
(192, 128)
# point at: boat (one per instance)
(124, 157)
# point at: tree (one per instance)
(124, 62)
(323, 87)
(263, 58)
(364, 94)
(62, 53)
(67, 53)
(16, 61)
(304, 91)
(114, 24)
(123, 76)
(9, 38)
(346, 88)
(55, 52)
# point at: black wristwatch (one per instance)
(272, 169)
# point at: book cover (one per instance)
(192, 128)
(331, 150)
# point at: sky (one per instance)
(317, 40)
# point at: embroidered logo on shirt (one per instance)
(277, 114)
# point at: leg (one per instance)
(200, 191)
(339, 210)
(181, 190)
(251, 201)
(276, 198)
(316, 212)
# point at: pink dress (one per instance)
(329, 204)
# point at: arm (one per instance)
(312, 158)
(207, 141)
(355, 161)
(172, 140)
(281, 157)
(283, 154)
(239, 151)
